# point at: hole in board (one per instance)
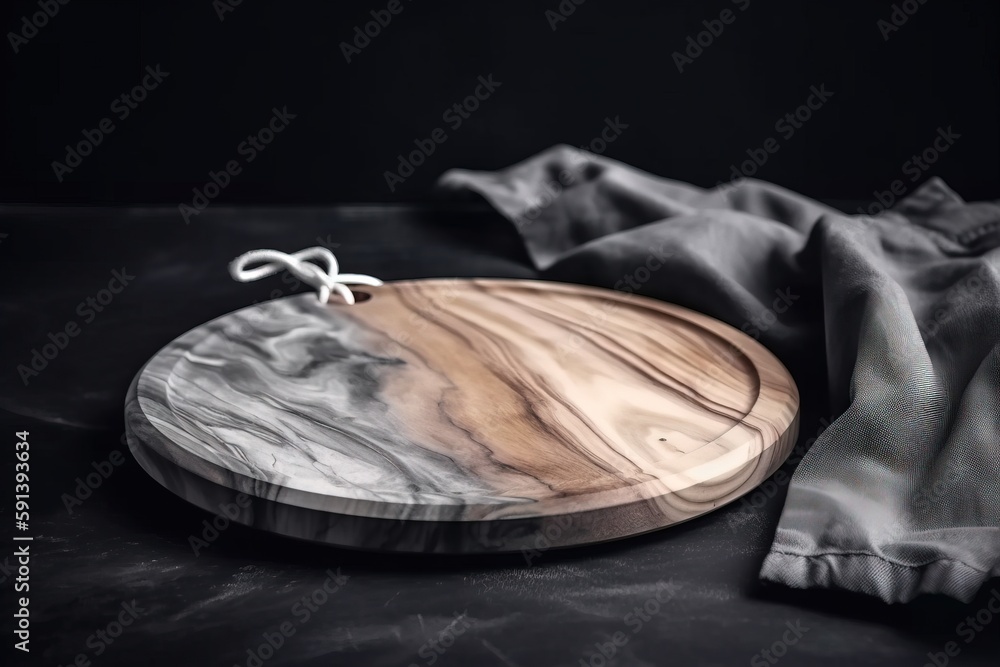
(359, 297)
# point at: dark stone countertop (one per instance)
(130, 539)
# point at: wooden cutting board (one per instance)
(462, 416)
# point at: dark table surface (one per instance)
(130, 540)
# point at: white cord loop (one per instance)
(325, 280)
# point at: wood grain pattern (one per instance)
(464, 415)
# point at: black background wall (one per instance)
(608, 59)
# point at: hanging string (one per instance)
(326, 280)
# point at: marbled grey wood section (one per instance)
(464, 416)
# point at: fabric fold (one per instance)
(892, 320)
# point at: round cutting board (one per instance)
(463, 416)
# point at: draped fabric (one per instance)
(892, 321)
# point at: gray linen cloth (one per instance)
(892, 320)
